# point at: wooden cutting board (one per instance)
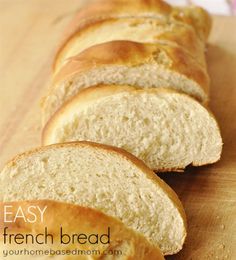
(30, 31)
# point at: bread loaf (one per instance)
(102, 177)
(165, 129)
(143, 30)
(68, 219)
(193, 17)
(131, 63)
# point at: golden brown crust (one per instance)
(114, 8)
(196, 17)
(75, 219)
(98, 10)
(177, 34)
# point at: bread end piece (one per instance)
(75, 219)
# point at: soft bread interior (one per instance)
(104, 178)
(166, 129)
(144, 30)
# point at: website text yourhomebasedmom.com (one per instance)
(50, 252)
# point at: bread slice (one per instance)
(165, 129)
(102, 177)
(144, 30)
(131, 63)
(123, 243)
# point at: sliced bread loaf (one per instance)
(115, 240)
(146, 30)
(166, 129)
(131, 63)
(102, 177)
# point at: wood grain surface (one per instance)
(30, 31)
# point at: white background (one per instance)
(221, 7)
